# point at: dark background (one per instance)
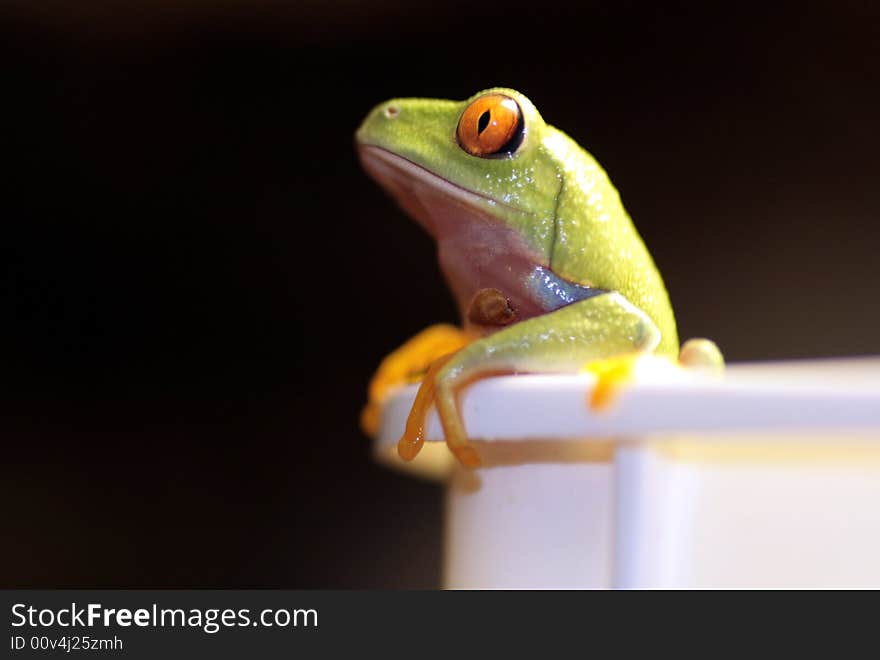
(198, 280)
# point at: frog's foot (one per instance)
(701, 354)
(611, 375)
(408, 364)
(447, 408)
(414, 434)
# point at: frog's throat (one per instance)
(380, 163)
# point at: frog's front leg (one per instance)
(561, 341)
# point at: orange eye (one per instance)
(491, 125)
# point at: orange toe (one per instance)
(414, 434)
(611, 375)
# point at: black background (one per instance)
(198, 280)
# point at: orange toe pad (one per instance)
(611, 374)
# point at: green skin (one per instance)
(555, 197)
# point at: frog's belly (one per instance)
(476, 250)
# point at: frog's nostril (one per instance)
(392, 111)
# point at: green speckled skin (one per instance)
(597, 242)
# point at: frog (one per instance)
(547, 269)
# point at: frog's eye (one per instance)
(491, 126)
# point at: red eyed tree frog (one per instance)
(546, 267)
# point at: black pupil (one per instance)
(483, 121)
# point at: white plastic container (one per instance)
(766, 477)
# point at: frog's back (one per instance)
(596, 242)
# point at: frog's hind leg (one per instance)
(561, 341)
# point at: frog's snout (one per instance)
(375, 122)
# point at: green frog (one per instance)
(546, 266)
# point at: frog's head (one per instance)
(478, 176)
(485, 154)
